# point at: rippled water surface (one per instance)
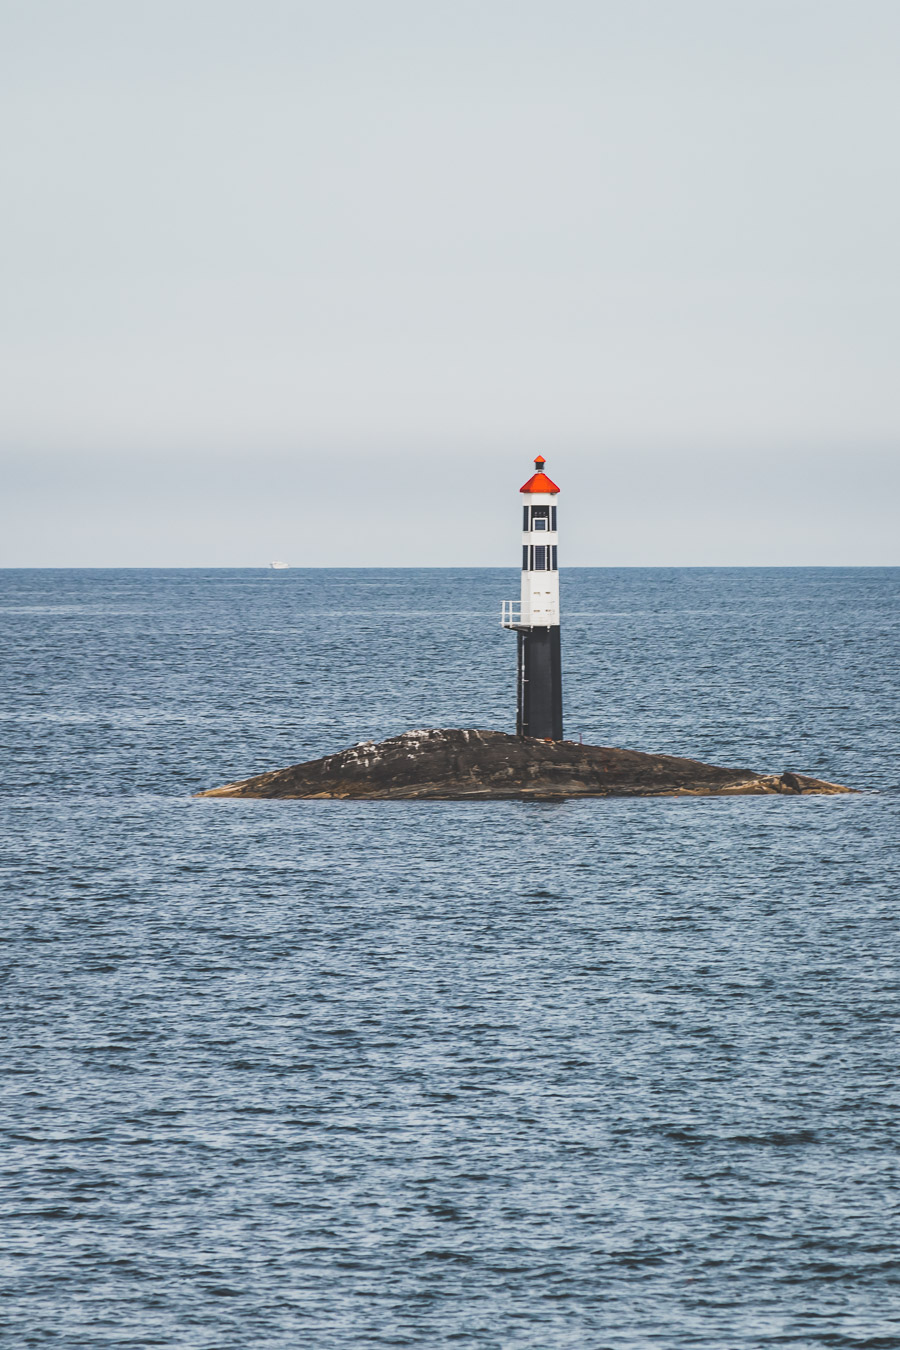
(596, 1074)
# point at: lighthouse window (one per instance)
(553, 566)
(540, 517)
(524, 517)
(540, 524)
(540, 558)
(553, 517)
(525, 556)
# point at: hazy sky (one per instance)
(271, 270)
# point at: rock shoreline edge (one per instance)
(451, 764)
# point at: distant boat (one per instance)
(279, 566)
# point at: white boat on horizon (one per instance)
(279, 566)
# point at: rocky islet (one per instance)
(463, 764)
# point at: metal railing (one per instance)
(511, 614)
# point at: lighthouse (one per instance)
(535, 617)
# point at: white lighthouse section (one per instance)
(540, 574)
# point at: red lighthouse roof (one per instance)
(539, 482)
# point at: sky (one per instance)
(316, 281)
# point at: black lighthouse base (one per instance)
(540, 684)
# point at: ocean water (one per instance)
(594, 1074)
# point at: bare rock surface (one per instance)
(460, 764)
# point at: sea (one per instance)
(609, 1074)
